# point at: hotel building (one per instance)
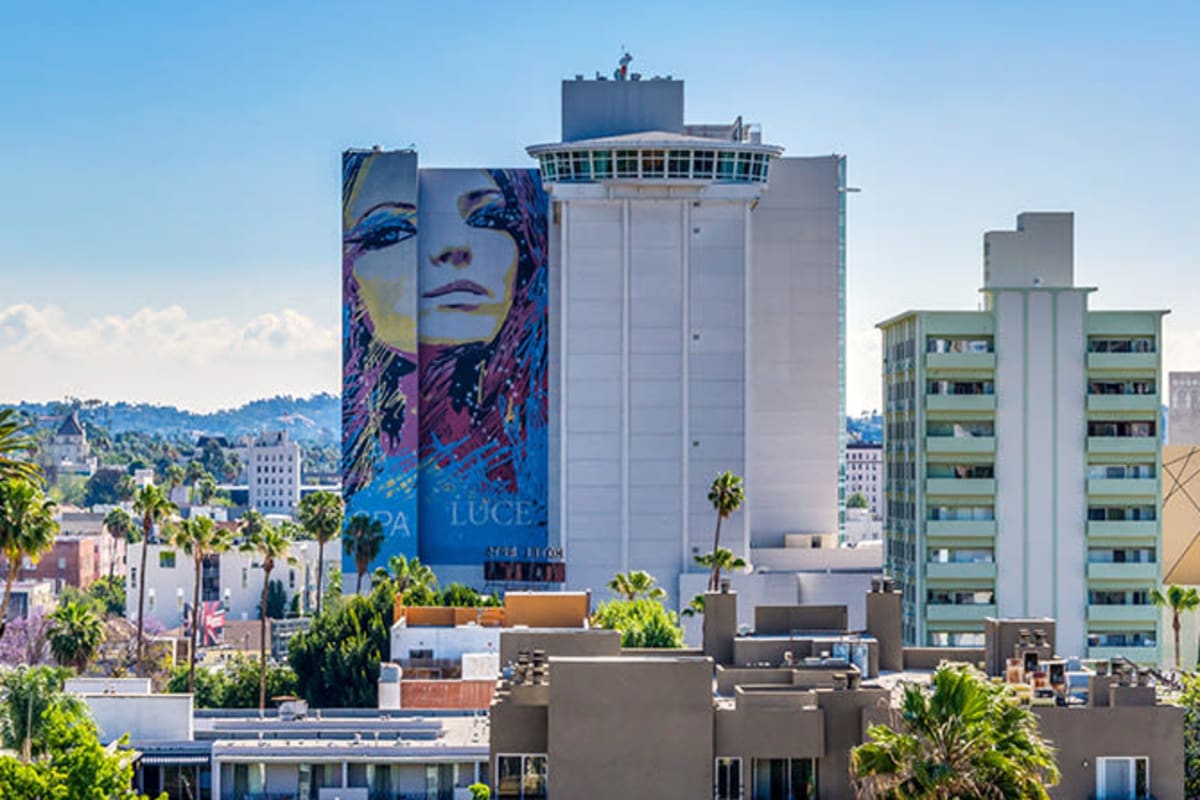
(1022, 455)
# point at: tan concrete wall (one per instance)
(517, 729)
(455, 694)
(634, 729)
(847, 715)
(930, 657)
(559, 643)
(751, 733)
(884, 622)
(547, 609)
(782, 620)
(1083, 734)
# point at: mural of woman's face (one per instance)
(467, 270)
(378, 241)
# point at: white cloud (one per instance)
(862, 370)
(164, 356)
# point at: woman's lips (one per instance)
(470, 287)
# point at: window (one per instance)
(1132, 344)
(1122, 639)
(1128, 555)
(1122, 428)
(627, 164)
(702, 164)
(521, 776)
(936, 344)
(678, 163)
(960, 555)
(960, 387)
(961, 429)
(725, 166)
(954, 639)
(166, 559)
(784, 779)
(602, 164)
(653, 163)
(728, 779)
(1123, 778)
(948, 598)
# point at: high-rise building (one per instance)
(553, 366)
(272, 464)
(1183, 411)
(864, 473)
(1022, 456)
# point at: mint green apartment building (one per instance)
(1022, 456)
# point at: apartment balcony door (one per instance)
(1122, 778)
(784, 779)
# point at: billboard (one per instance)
(445, 434)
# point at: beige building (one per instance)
(774, 713)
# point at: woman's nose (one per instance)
(458, 257)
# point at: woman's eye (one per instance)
(385, 235)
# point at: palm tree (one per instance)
(409, 576)
(26, 694)
(173, 477)
(76, 633)
(723, 560)
(726, 495)
(695, 607)
(126, 488)
(16, 440)
(363, 540)
(321, 514)
(1179, 600)
(965, 738)
(206, 489)
(636, 583)
(252, 524)
(27, 529)
(121, 528)
(270, 544)
(152, 505)
(199, 538)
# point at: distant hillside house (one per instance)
(68, 452)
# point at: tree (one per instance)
(206, 489)
(966, 738)
(642, 622)
(27, 530)
(16, 444)
(26, 696)
(457, 594)
(336, 661)
(1179, 600)
(723, 560)
(270, 544)
(636, 583)
(126, 488)
(108, 594)
(194, 472)
(695, 607)
(856, 500)
(321, 514)
(480, 791)
(276, 600)
(415, 583)
(120, 526)
(152, 505)
(24, 641)
(363, 540)
(726, 495)
(76, 633)
(198, 538)
(101, 488)
(173, 477)
(235, 685)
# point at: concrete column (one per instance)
(884, 622)
(720, 626)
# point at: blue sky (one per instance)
(169, 176)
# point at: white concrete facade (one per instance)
(272, 464)
(237, 582)
(864, 473)
(697, 328)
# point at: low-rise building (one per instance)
(864, 473)
(83, 552)
(29, 595)
(775, 713)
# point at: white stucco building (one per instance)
(697, 303)
(1022, 455)
(233, 577)
(272, 463)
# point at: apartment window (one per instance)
(1123, 778)
(960, 429)
(961, 555)
(954, 639)
(1119, 597)
(1122, 639)
(1124, 428)
(947, 598)
(728, 779)
(1121, 387)
(133, 577)
(960, 471)
(784, 779)
(521, 776)
(166, 559)
(960, 387)
(210, 578)
(1121, 513)
(1120, 471)
(1132, 344)
(1127, 555)
(934, 344)
(962, 513)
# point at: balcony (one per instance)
(1123, 487)
(1124, 529)
(1123, 445)
(959, 487)
(1128, 613)
(1123, 572)
(960, 361)
(1123, 402)
(960, 529)
(1138, 655)
(960, 402)
(967, 445)
(959, 613)
(960, 570)
(1122, 362)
